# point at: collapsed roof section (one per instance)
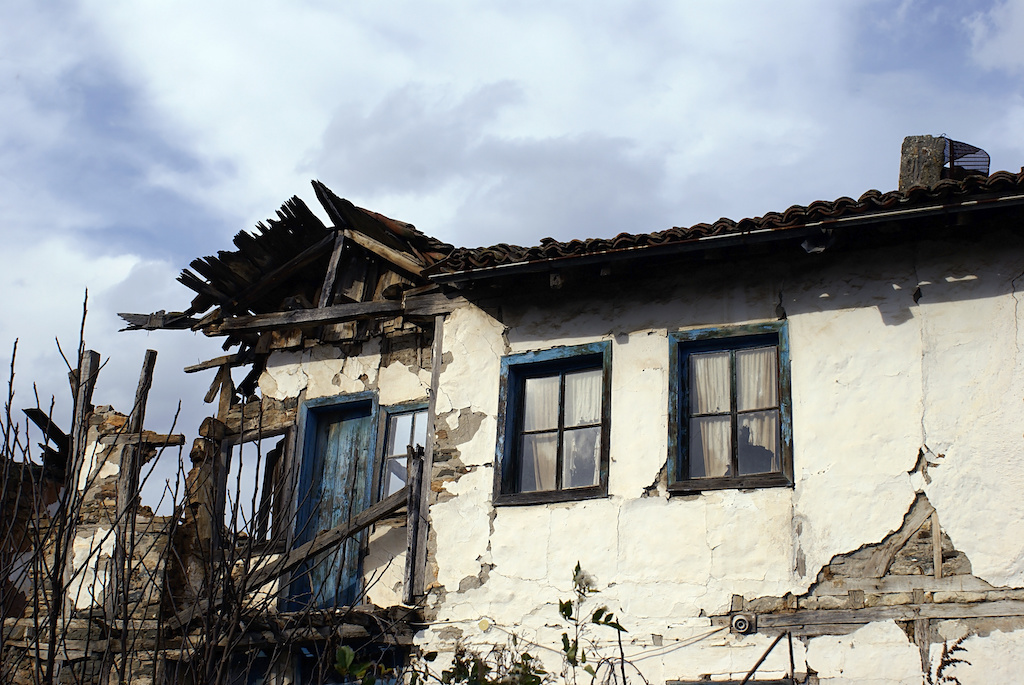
(296, 262)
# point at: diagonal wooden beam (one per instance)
(322, 542)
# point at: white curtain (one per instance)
(756, 386)
(583, 398)
(581, 446)
(710, 435)
(710, 446)
(709, 383)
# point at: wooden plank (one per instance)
(117, 596)
(322, 542)
(226, 360)
(419, 305)
(936, 545)
(224, 375)
(327, 289)
(147, 438)
(403, 261)
(338, 313)
(157, 321)
(433, 304)
(414, 513)
(44, 422)
(419, 553)
(902, 612)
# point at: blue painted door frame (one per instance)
(338, 437)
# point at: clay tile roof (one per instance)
(797, 216)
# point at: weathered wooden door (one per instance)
(334, 485)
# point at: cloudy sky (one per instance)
(136, 135)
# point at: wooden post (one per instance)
(419, 552)
(414, 513)
(936, 545)
(127, 501)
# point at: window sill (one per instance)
(549, 496)
(751, 482)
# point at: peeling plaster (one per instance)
(91, 558)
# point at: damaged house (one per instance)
(787, 448)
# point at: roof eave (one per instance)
(726, 240)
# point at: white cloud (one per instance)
(997, 36)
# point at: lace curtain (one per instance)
(757, 411)
(581, 434)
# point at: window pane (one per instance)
(758, 442)
(709, 383)
(583, 397)
(399, 433)
(537, 466)
(756, 386)
(395, 475)
(581, 452)
(419, 430)
(540, 405)
(710, 447)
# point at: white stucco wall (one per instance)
(876, 377)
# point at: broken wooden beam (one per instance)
(148, 438)
(417, 305)
(338, 313)
(157, 321)
(226, 360)
(405, 262)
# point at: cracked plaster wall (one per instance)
(875, 376)
(324, 371)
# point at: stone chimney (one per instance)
(921, 161)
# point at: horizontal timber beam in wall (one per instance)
(841, 621)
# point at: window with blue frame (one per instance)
(337, 439)
(554, 429)
(730, 410)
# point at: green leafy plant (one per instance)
(575, 646)
(365, 672)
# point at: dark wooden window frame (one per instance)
(684, 343)
(515, 369)
(386, 413)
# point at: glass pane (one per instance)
(758, 442)
(581, 455)
(540, 405)
(756, 385)
(583, 397)
(709, 383)
(537, 465)
(399, 433)
(710, 448)
(419, 430)
(395, 475)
